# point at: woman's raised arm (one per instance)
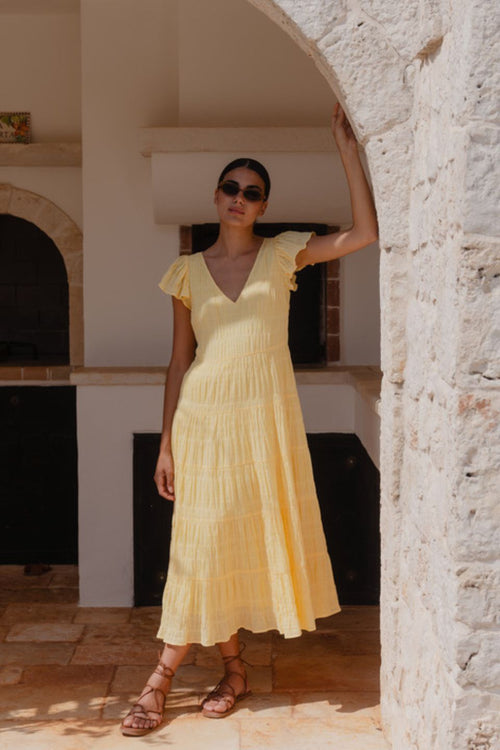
(364, 229)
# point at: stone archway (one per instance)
(417, 83)
(68, 239)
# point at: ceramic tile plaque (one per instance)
(15, 127)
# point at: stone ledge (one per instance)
(33, 374)
(41, 154)
(191, 140)
(364, 379)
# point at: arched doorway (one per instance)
(42, 325)
(67, 238)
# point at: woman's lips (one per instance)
(235, 211)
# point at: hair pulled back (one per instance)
(252, 164)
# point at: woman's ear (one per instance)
(263, 209)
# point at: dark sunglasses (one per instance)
(232, 188)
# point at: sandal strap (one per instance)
(224, 690)
(228, 659)
(162, 670)
(138, 708)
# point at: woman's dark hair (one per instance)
(252, 164)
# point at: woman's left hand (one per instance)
(343, 133)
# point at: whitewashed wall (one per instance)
(40, 64)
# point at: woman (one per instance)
(248, 549)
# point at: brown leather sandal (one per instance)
(141, 712)
(224, 691)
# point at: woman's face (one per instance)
(236, 209)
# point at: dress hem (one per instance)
(285, 633)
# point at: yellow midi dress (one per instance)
(247, 547)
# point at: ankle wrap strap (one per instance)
(228, 659)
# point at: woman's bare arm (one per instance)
(364, 229)
(183, 350)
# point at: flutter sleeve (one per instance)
(176, 280)
(287, 246)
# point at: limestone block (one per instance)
(26, 205)
(413, 28)
(476, 85)
(479, 290)
(482, 181)
(359, 54)
(478, 594)
(391, 441)
(478, 657)
(476, 513)
(314, 19)
(475, 721)
(393, 304)
(390, 156)
(51, 218)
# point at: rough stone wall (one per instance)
(420, 82)
(451, 406)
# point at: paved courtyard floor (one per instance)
(68, 674)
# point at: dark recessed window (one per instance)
(34, 308)
(307, 322)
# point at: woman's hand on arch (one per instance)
(164, 475)
(343, 132)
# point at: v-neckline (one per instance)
(234, 301)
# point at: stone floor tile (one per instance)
(45, 631)
(36, 653)
(118, 633)
(260, 679)
(336, 672)
(200, 679)
(68, 578)
(146, 614)
(39, 595)
(10, 675)
(133, 678)
(127, 652)
(305, 734)
(335, 641)
(195, 733)
(54, 702)
(57, 735)
(352, 617)
(4, 629)
(102, 615)
(354, 710)
(70, 674)
(130, 679)
(16, 581)
(33, 612)
(264, 706)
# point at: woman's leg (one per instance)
(235, 676)
(171, 657)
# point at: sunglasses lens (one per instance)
(230, 188)
(251, 194)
